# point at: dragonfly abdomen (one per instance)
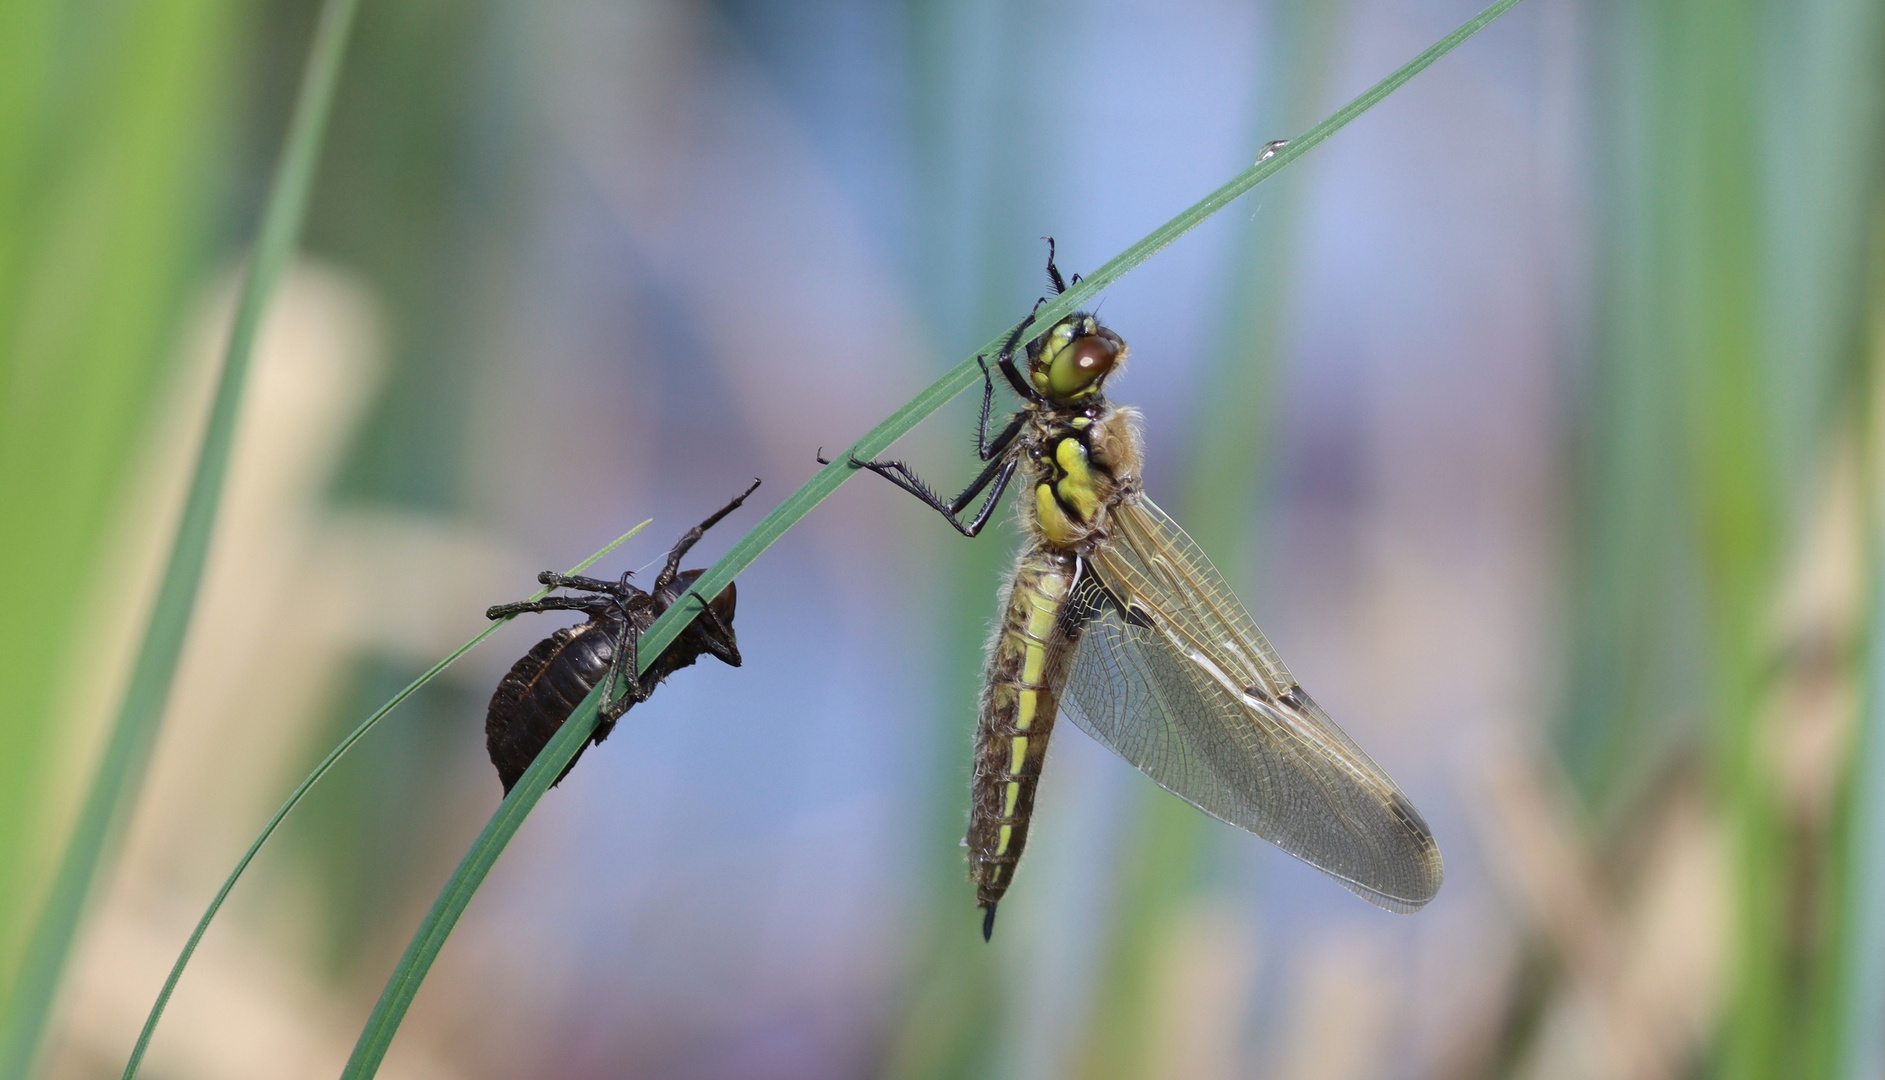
(1027, 667)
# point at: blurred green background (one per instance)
(1536, 417)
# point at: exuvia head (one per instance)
(1070, 361)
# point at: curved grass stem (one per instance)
(387, 1015)
(295, 797)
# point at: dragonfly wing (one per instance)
(1172, 675)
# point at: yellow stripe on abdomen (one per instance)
(1026, 670)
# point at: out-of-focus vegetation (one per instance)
(114, 119)
(122, 764)
(1536, 417)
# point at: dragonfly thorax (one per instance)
(1082, 465)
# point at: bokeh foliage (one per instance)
(114, 121)
(1736, 169)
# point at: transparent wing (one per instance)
(1172, 674)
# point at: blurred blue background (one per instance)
(1530, 416)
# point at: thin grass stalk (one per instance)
(968, 372)
(387, 1015)
(1706, 154)
(413, 967)
(958, 1018)
(1861, 1031)
(121, 768)
(1830, 299)
(1160, 867)
(1628, 606)
(294, 799)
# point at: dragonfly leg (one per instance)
(1053, 272)
(995, 479)
(990, 450)
(1005, 359)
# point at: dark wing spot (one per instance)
(1411, 818)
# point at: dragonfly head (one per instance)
(1069, 362)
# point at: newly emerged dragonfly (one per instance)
(544, 687)
(1114, 615)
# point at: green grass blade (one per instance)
(387, 1015)
(294, 799)
(968, 372)
(1861, 1053)
(1262, 170)
(127, 751)
(438, 924)
(1159, 880)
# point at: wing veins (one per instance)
(1248, 752)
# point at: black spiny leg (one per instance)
(1053, 272)
(1001, 465)
(692, 536)
(990, 450)
(995, 478)
(719, 640)
(624, 669)
(1005, 359)
(586, 584)
(988, 922)
(588, 605)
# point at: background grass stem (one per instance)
(121, 768)
(404, 984)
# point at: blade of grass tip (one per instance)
(121, 767)
(968, 372)
(294, 799)
(417, 960)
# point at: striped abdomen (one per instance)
(1027, 666)
(540, 692)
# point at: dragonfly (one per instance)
(1115, 617)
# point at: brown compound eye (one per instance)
(1096, 354)
(1083, 363)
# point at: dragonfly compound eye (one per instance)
(1080, 363)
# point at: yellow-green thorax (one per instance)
(1081, 467)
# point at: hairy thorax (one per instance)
(1080, 467)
